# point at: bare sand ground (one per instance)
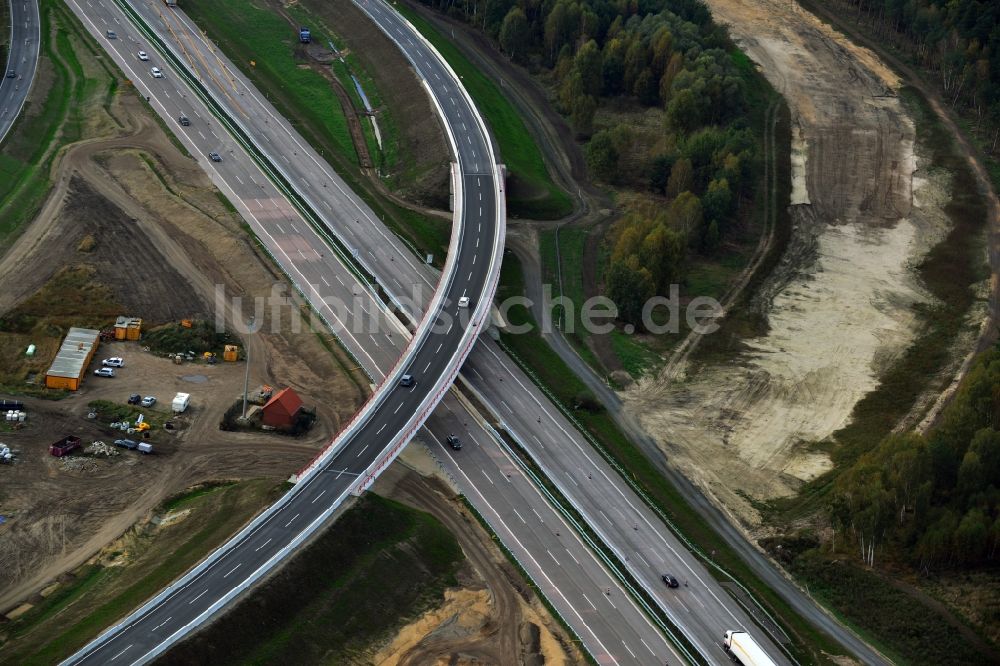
(840, 306)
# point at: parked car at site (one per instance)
(104, 372)
(149, 401)
(113, 362)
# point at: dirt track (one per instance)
(840, 304)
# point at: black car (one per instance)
(454, 442)
(670, 580)
(134, 399)
(215, 157)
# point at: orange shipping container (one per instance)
(231, 353)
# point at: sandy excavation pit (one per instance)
(840, 305)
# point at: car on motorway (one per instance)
(149, 401)
(215, 157)
(463, 302)
(11, 74)
(104, 372)
(156, 72)
(407, 380)
(134, 399)
(111, 34)
(670, 580)
(454, 442)
(142, 56)
(113, 362)
(183, 120)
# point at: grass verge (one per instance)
(531, 193)
(379, 566)
(49, 122)
(304, 98)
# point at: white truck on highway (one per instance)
(742, 648)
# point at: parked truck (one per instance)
(64, 446)
(743, 649)
(304, 35)
(181, 402)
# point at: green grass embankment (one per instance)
(531, 192)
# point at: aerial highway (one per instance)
(611, 626)
(648, 552)
(22, 61)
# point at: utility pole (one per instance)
(246, 376)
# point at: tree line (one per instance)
(659, 54)
(934, 498)
(958, 41)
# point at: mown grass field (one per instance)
(517, 147)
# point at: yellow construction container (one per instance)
(128, 328)
(231, 353)
(70, 363)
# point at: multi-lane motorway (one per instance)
(609, 624)
(22, 61)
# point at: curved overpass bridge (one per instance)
(385, 423)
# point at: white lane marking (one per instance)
(198, 597)
(239, 179)
(588, 600)
(281, 230)
(202, 135)
(396, 411)
(629, 650)
(474, 258)
(323, 278)
(568, 551)
(683, 606)
(292, 520)
(262, 545)
(373, 339)
(122, 652)
(469, 279)
(540, 519)
(480, 211)
(360, 452)
(644, 561)
(487, 477)
(438, 349)
(519, 516)
(318, 496)
(427, 366)
(381, 429)
(647, 647)
(506, 406)
(163, 623)
(553, 557)
(339, 280)
(236, 567)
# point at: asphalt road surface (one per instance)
(702, 610)
(22, 62)
(605, 624)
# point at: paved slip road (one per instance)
(647, 552)
(22, 60)
(568, 573)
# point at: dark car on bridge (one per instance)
(670, 580)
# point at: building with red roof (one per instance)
(282, 410)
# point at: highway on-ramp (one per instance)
(22, 62)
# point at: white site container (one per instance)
(181, 402)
